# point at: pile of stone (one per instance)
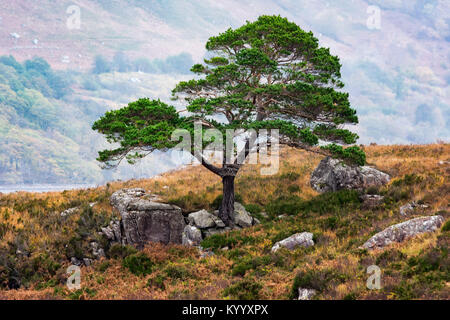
(202, 224)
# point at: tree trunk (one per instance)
(226, 210)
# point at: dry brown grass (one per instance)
(31, 216)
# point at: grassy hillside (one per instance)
(35, 240)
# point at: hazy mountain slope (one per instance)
(46, 136)
(398, 76)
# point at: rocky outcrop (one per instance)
(203, 224)
(306, 294)
(402, 231)
(334, 175)
(304, 239)
(144, 220)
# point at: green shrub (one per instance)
(77, 294)
(289, 205)
(331, 222)
(290, 176)
(293, 188)
(249, 263)
(190, 202)
(332, 202)
(118, 251)
(177, 272)
(157, 282)
(408, 180)
(446, 226)
(229, 239)
(316, 279)
(138, 264)
(253, 208)
(244, 290)
(218, 201)
(102, 267)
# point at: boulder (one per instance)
(402, 231)
(145, 220)
(241, 217)
(192, 236)
(203, 219)
(334, 175)
(306, 294)
(304, 239)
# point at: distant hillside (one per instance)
(398, 76)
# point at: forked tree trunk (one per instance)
(226, 210)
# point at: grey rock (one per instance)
(411, 207)
(76, 262)
(304, 239)
(219, 223)
(334, 175)
(87, 262)
(202, 219)
(306, 294)
(212, 231)
(69, 212)
(241, 216)
(97, 251)
(402, 231)
(206, 253)
(192, 236)
(109, 233)
(372, 200)
(146, 221)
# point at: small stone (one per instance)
(87, 262)
(306, 294)
(75, 261)
(192, 236)
(407, 208)
(69, 212)
(304, 239)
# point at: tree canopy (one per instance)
(267, 74)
